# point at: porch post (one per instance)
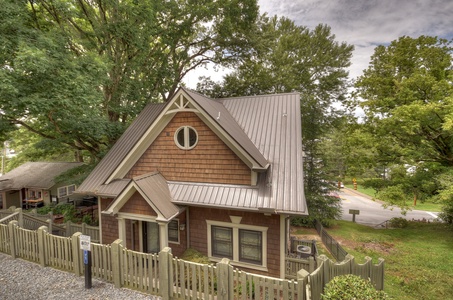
(122, 229)
(163, 235)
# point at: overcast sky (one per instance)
(362, 23)
(368, 23)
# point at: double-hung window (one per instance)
(242, 244)
(250, 246)
(173, 231)
(222, 241)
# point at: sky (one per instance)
(362, 23)
(368, 23)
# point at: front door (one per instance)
(151, 243)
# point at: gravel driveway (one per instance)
(23, 280)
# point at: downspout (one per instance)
(187, 227)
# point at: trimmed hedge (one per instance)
(351, 287)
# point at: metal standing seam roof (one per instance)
(155, 187)
(35, 175)
(119, 150)
(271, 125)
(222, 116)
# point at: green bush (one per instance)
(398, 222)
(351, 287)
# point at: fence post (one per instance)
(325, 262)
(303, 288)
(311, 264)
(50, 225)
(165, 265)
(223, 280)
(76, 253)
(68, 228)
(41, 245)
(116, 262)
(12, 238)
(84, 229)
(21, 217)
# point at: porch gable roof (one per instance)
(154, 189)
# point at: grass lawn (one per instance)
(418, 259)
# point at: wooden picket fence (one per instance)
(170, 277)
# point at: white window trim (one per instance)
(66, 188)
(235, 261)
(186, 138)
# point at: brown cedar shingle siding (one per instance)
(210, 161)
(198, 232)
(109, 223)
(137, 205)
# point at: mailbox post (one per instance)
(85, 245)
(354, 212)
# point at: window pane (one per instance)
(222, 242)
(62, 191)
(192, 137)
(250, 246)
(180, 137)
(173, 231)
(71, 189)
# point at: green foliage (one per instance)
(66, 209)
(398, 222)
(406, 94)
(194, 255)
(447, 212)
(77, 72)
(351, 287)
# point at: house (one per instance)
(33, 184)
(222, 176)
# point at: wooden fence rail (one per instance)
(172, 278)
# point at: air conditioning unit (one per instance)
(303, 251)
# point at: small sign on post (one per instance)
(354, 212)
(85, 245)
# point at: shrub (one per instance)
(398, 222)
(351, 287)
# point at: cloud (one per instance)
(368, 23)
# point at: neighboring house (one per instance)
(222, 176)
(35, 182)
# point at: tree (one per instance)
(407, 96)
(77, 71)
(287, 58)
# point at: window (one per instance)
(66, 190)
(250, 245)
(222, 241)
(173, 231)
(242, 244)
(34, 194)
(186, 137)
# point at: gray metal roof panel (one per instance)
(222, 116)
(121, 148)
(112, 189)
(273, 124)
(35, 175)
(155, 187)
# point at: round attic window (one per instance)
(186, 137)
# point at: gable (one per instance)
(210, 161)
(234, 137)
(137, 205)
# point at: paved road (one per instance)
(372, 213)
